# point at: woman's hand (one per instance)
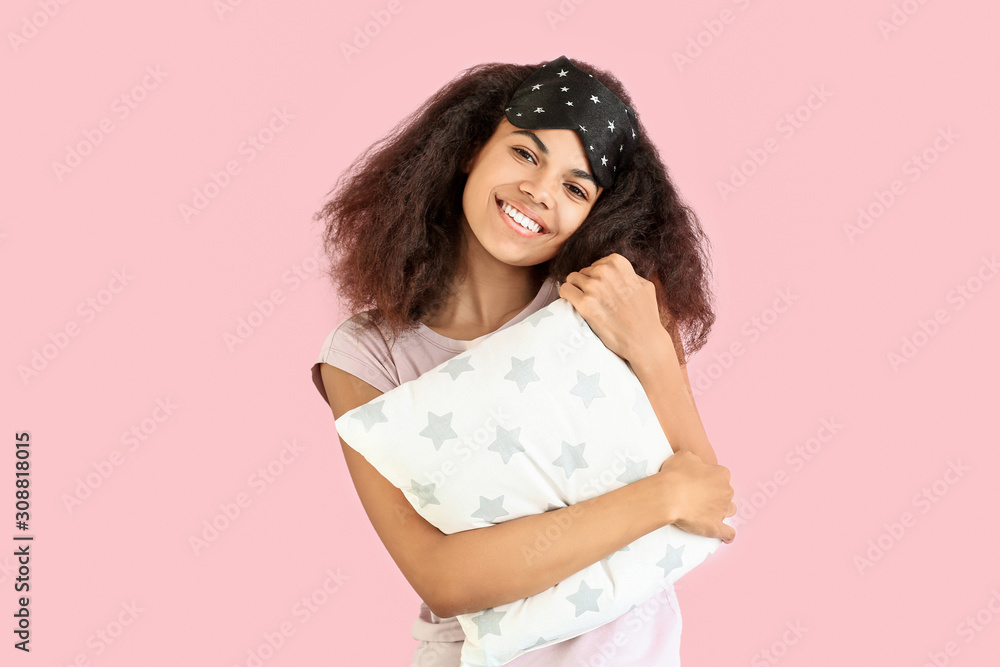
(698, 496)
(618, 305)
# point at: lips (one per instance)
(520, 209)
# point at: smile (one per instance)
(518, 221)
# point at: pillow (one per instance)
(535, 417)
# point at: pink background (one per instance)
(158, 334)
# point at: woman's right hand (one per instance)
(698, 495)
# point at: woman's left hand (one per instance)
(618, 305)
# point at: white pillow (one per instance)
(537, 416)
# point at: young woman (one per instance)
(477, 211)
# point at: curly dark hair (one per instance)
(392, 219)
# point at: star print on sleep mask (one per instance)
(560, 96)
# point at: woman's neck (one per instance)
(488, 294)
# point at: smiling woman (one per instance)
(520, 185)
(515, 167)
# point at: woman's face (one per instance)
(545, 175)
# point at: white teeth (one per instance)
(521, 219)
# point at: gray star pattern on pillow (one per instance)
(672, 560)
(439, 429)
(541, 640)
(539, 316)
(585, 599)
(489, 510)
(642, 407)
(633, 471)
(370, 414)
(587, 387)
(456, 367)
(507, 443)
(488, 622)
(522, 372)
(624, 548)
(571, 458)
(424, 492)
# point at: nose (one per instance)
(539, 189)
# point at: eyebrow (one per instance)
(579, 173)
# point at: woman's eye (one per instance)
(528, 156)
(524, 153)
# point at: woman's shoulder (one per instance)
(359, 328)
(550, 291)
(357, 346)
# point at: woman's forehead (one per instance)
(507, 127)
(546, 140)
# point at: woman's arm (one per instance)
(666, 384)
(477, 569)
(624, 310)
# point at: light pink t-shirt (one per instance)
(647, 636)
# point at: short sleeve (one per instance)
(359, 349)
